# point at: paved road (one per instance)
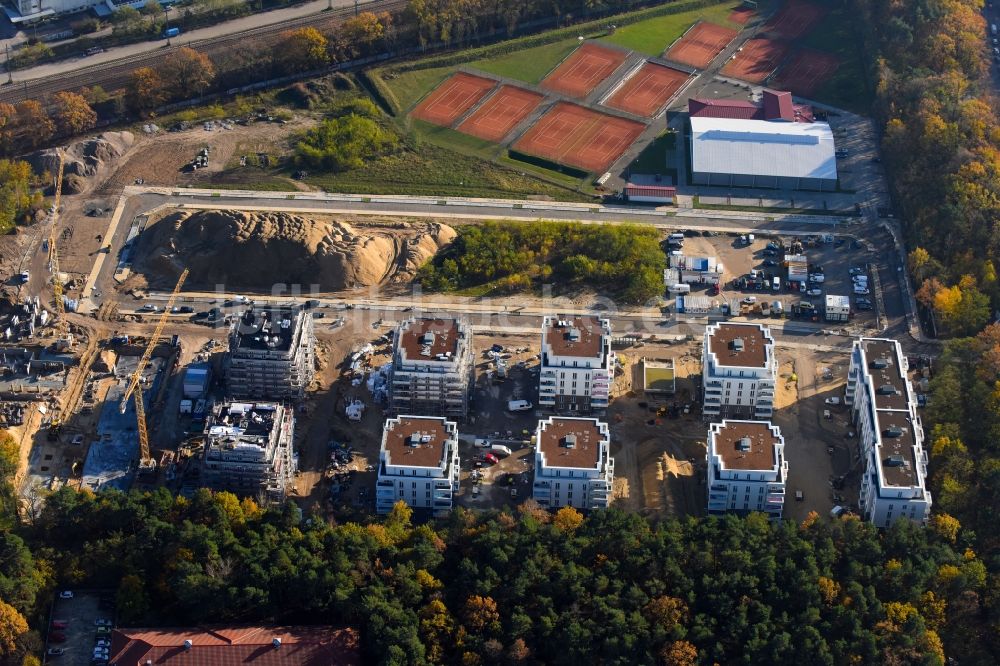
(273, 17)
(500, 313)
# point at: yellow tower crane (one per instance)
(146, 461)
(57, 285)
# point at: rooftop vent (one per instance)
(744, 444)
(886, 389)
(427, 338)
(880, 363)
(738, 345)
(574, 335)
(276, 642)
(893, 431)
(895, 460)
(570, 441)
(188, 644)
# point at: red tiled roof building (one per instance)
(236, 646)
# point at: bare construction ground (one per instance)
(257, 249)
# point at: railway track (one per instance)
(115, 74)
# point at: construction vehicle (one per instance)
(57, 285)
(146, 462)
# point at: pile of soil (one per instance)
(84, 160)
(258, 249)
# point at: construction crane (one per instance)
(146, 461)
(57, 285)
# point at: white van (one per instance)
(676, 238)
(776, 283)
(500, 450)
(680, 288)
(518, 406)
(482, 443)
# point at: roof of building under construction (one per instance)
(570, 442)
(263, 329)
(740, 345)
(746, 445)
(415, 441)
(429, 340)
(579, 337)
(243, 423)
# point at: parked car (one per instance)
(749, 300)
(55, 652)
(491, 459)
(57, 637)
(60, 624)
(66, 594)
(102, 622)
(856, 271)
(25, 276)
(104, 631)
(832, 401)
(815, 292)
(862, 291)
(149, 307)
(770, 262)
(103, 643)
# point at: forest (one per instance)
(526, 586)
(508, 257)
(941, 141)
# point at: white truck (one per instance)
(519, 406)
(500, 450)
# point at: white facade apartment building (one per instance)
(272, 354)
(248, 449)
(573, 463)
(432, 368)
(747, 468)
(738, 371)
(418, 463)
(890, 434)
(577, 364)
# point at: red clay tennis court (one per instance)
(578, 137)
(648, 90)
(501, 113)
(806, 71)
(795, 19)
(757, 60)
(699, 45)
(452, 98)
(583, 70)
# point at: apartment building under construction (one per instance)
(432, 368)
(271, 354)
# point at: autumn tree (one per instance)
(360, 33)
(301, 50)
(567, 519)
(481, 613)
(33, 127)
(145, 90)
(72, 113)
(12, 627)
(679, 653)
(187, 73)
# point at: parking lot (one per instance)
(73, 627)
(832, 262)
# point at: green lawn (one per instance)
(530, 65)
(449, 138)
(653, 159)
(430, 169)
(652, 36)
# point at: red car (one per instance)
(59, 624)
(491, 459)
(57, 637)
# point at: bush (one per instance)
(344, 143)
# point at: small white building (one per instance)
(694, 305)
(747, 468)
(798, 267)
(577, 364)
(838, 308)
(573, 463)
(738, 371)
(693, 270)
(890, 434)
(418, 463)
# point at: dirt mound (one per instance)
(84, 159)
(258, 249)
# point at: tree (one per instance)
(72, 113)
(187, 73)
(567, 519)
(360, 33)
(33, 126)
(144, 90)
(481, 613)
(302, 50)
(679, 653)
(341, 144)
(126, 19)
(16, 197)
(133, 602)
(12, 627)
(945, 526)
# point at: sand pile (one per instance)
(257, 249)
(84, 159)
